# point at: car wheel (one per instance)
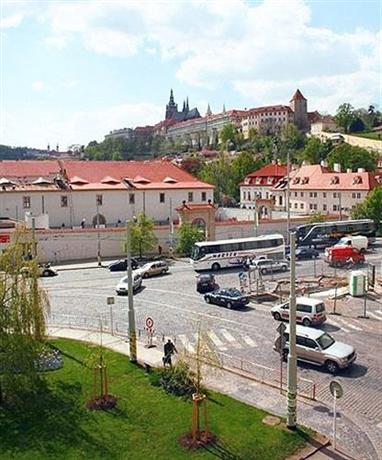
(332, 367)
(277, 316)
(145, 275)
(263, 271)
(215, 266)
(306, 322)
(284, 268)
(207, 299)
(229, 305)
(315, 256)
(46, 273)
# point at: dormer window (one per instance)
(296, 180)
(357, 180)
(335, 180)
(247, 181)
(270, 180)
(305, 180)
(258, 181)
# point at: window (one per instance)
(311, 344)
(26, 202)
(191, 197)
(353, 195)
(334, 195)
(131, 198)
(311, 194)
(204, 196)
(301, 205)
(64, 201)
(335, 207)
(161, 198)
(295, 205)
(358, 195)
(295, 194)
(304, 308)
(302, 194)
(315, 194)
(324, 194)
(99, 200)
(324, 207)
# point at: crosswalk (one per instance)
(347, 324)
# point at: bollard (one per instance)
(314, 392)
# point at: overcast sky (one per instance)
(71, 71)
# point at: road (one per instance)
(248, 335)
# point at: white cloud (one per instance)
(38, 85)
(13, 20)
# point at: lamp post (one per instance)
(132, 332)
(292, 358)
(288, 197)
(98, 236)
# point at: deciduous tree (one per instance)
(143, 239)
(370, 208)
(352, 157)
(345, 116)
(188, 235)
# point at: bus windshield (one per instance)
(197, 253)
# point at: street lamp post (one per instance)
(132, 332)
(288, 197)
(98, 236)
(292, 358)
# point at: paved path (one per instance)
(351, 438)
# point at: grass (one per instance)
(369, 135)
(145, 425)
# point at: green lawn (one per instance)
(145, 425)
(370, 135)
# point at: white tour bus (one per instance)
(229, 253)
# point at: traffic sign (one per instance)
(149, 322)
(110, 300)
(281, 328)
(336, 389)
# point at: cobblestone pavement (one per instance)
(243, 336)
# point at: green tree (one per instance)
(188, 235)
(352, 157)
(315, 150)
(242, 165)
(357, 125)
(23, 306)
(219, 174)
(370, 208)
(345, 116)
(143, 239)
(316, 217)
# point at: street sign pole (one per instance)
(337, 392)
(132, 332)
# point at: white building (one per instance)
(104, 192)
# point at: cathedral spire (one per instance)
(187, 106)
(184, 106)
(208, 113)
(171, 101)
(223, 108)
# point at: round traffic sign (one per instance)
(149, 322)
(336, 389)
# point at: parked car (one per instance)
(44, 270)
(359, 242)
(309, 311)
(317, 347)
(122, 286)
(121, 265)
(159, 267)
(270, 265)
(337, 256)
(206, 283)
(248, 261)
(305, 253)
(229, 298)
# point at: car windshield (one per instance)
(146, 266)
(233, 292)
(325, 341)
(124, 280)
(320, 308)
(197, 253)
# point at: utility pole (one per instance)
(287, 201)
(171, 229)
(98, 237)
(132, 333)
(292, 359)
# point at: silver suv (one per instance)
(317, 347)
(270, 265)
(309, 311)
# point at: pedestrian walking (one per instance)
(83, 223)
(169, 350)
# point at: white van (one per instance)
(309, 311)
(357, 241)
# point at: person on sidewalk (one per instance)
(169, 350)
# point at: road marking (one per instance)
(249, 341)
(230, 338)
(337, 324)
(379, 312)
(186, 343)
(356, 328)
(216, 340)
(374, 316)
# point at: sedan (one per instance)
(121, 265)
(305, 253)
(206, 283)
(122, 286)
(229, 298)
(270, 266)
(153, 268)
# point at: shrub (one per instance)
(178, 380)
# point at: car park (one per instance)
(266, 266)
(206, 283)
(121, 265)
(305, 253)
(337, 256)
(228, 297)
(159, 267)
(122, 287)
(317, 347)
(309, 311)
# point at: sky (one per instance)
(71, 71)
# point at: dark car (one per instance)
(229, 298)
(306, 253)
(206, 283)
(121, 265)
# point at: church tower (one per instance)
(171, 107)
(299, 105)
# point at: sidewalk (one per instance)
(350, 437)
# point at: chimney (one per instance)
(349, 170)
(361, 170)
(337, 167)
(324, 163)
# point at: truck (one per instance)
(340, 255)
(359, 242)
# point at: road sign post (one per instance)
(110, 301)
(150, 332)
(337, 392)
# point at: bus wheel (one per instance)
(215, 266)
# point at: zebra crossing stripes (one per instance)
(373, 315)
(186, 343)
(249, 341)
(215, 339)
(230, 338)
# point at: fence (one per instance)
(108, 324)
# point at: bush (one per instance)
(178, 380)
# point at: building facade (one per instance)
(83, 193)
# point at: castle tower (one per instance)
(171, 107)
(299, 105)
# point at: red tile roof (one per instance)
(260, 177)
(29, 168)
(270, 108)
